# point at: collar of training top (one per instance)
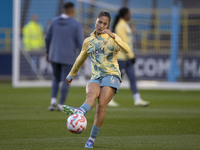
(64, 16)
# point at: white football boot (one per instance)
(141, 103)
(112, 103)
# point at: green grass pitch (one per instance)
(171, 122)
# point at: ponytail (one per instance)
(115, 22)
(122, 12)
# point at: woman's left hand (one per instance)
(107, 31)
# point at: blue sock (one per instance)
(94, 132)
(85, 108)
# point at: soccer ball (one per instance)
(76, 123)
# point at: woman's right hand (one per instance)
(68, 81)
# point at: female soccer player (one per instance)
(103, 47)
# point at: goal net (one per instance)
(166, 43)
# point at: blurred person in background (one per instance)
(33, 41)
(33, 35)
(126, 65)
(63, 38)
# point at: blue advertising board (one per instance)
(156, 67)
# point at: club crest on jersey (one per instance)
(105, 42)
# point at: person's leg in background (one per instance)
(128, 66)
(55, 84)
(122, 66)
(130, 71)
(65, 69)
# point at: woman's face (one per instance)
(101, 24)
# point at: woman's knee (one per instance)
(101, 107)
(91, 94)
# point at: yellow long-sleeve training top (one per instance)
(124, 31)
(103, 51)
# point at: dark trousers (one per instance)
(60, 71)
(128, 68)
